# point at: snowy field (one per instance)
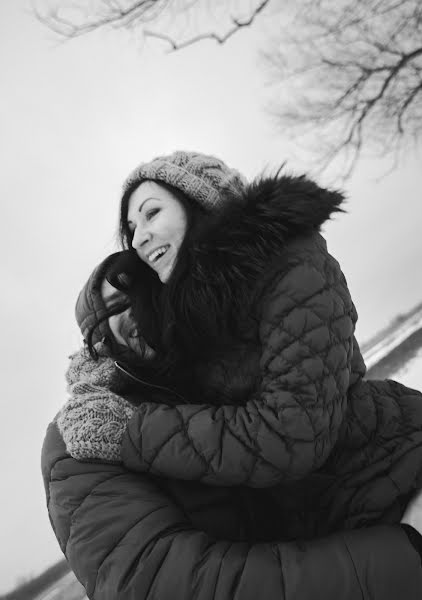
(392, 339)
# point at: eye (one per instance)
(151, 213)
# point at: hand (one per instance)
(94, 419)
(84, 369)
(413, 513)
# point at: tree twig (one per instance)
(220, 39)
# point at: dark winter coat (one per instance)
(220, 500)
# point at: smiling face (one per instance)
(158, 221)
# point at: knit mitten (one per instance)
(84, 371)
(94, 419)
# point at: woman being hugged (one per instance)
(220, 440)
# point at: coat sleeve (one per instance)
(288, 427)
(124, 538)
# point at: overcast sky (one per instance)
(75, 119)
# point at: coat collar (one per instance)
(247, 232)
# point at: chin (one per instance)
(164, 276)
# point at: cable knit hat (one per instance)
(201, 177)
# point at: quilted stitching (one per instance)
(289, 426)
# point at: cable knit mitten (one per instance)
(83, 369)
(94, 419)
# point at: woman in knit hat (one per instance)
(220, 440)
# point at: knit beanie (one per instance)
(201, 177)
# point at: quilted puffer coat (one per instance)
(155, 498)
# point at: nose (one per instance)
(140, 238)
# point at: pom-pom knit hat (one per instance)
(201, 177)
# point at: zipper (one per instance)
(146, 383)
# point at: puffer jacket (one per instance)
(225, 499)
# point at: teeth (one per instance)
(156, 253)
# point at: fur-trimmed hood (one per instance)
(237, 243)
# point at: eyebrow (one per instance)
(140, 208)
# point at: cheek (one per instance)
(178, 231)
(180, 235)
(183, 226)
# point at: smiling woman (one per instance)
(238, 442)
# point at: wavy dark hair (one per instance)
(176, 325)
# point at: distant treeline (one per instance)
(383, 333)
(390, 364)
(30, 589)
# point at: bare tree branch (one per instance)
(356, 78)
(140, 12)
(114, 16)
(406, 104)
(237, 25)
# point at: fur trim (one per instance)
(236, 246)
(273, 210)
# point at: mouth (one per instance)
(156, 256)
